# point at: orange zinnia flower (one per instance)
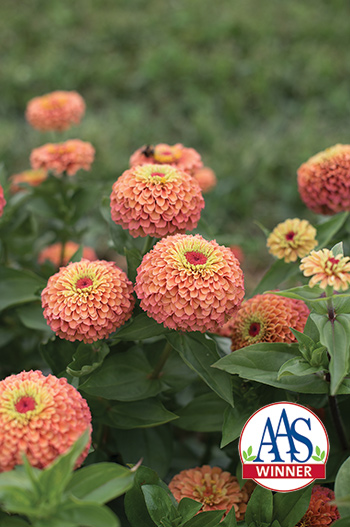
(53, 253)
(327, 269)
(186, 159)
(320, 512)
(32, 177)
(324, 181)
(267, 318)
(216, 489)
(190, 284)
(156, 200)
(58, 110)
(68, 157)
(2, 200)
(292, 239)
(87, 300)
(206, 178)
(40, 417)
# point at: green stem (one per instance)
(330, 304)
(160, 364)
(148, 245)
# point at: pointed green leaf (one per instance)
(134, 502)
(342, 485)
(140, 328)
(19, 287)
(159, 504)
(31, 316)
(260, 507)
(279, 272)
(191, 417)
(316, 458)
(249, 451)
(188, 508)
(318, 450)
(77, 256)
(338, 249)
(205, 519)
(329, 228)
(138, 414)
(133, 259)
(230, 519)
(87, 358)
(323, 455)
(290, 507)
(296, 366)
(87, 514)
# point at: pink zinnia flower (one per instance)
(324, 181)
(267, 318)
(53, 253)
(156, 200)
(69, 157)
(40, 417)
(190, 284)
(292, 239)
(32, 177)
(216, 489)
(327, 269)
(58, 110)
(320, 512)
(206, 178)
(186, 159)
(2, 200)
(87, 300)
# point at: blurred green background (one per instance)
(257, 87)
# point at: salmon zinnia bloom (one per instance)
(186, 159)
(32, 178)
(2, 200)
(267, 318)
(292, 239)
(206, 178)
(320, 512)
(156, 200)
(324, 181)
(68, 157)
(53, 253)
(87, 300)
(327, 269)
(40, 417)
(58, 110)
(216, 489)
(190, 284)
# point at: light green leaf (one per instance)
(87, 514)
(329, 228)
(31, 316)
(159, 504)
(342, 485)
(296, 366)
(188, 508)
(19, 287)
(278, 273)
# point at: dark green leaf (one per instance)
(188, 508)
(204, 413)
(13, 522)
(87, 358)
(296, 366)
(230, 519)
(133, 258)
(290, 507)
(327, 230)
(279, 272)
(138, 414)
(135, 506)
(31, 316)
(77, 256)
(343, 522)
(158, 503)
(305, 293)
(260, 507)
(18, 287)
(234, 420)
(205, 519)
(140, 328)
(57, 353)
(200, 353)
(87, 514)
(342, 485)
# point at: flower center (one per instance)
(196, 258)
(25, 404)
(83, 282)
(333, 261)
(290, 235)
(157, 174)
(208, 494)
(254, 329)
(166, 154)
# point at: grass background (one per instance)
(256, 87)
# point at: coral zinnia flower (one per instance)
(2, 200)
(292, 239)
(324, 181)
(216, 489)
(206, 178)
(320, 512)
(40, 417)
(267, 318)
(53, 253)
(32, 177)
(186, 159)
(156, 200)
(69, 157)
(58, 110)
(87, 300)
(190, 284)
(327, 269)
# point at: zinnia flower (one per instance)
(156, 200)
(188, 283)
(69, 157)
(292, 239)
(206, 178)
(324, 181)
(216, 489)
(40, 417)
(2, 200)
(186, 159)
(53, 253)
(267, 318)
(320, 513)
(87, 300)
(58, 110)
(327, 269)
(32, 177)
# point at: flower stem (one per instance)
(162, 360)
(148, 245)
(330, 304)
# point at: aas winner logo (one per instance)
(284, 447)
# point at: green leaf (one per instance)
(87, 358)
(13, 522)
(87, 514)
(316, 458)
(57, 353)
(135, 506)
(134, 259)
(205, 519)
(262, 362)
(323, 455)
(318, 451)
(343, 522)
(140, 328)
(159, 504)
(204, 413)
(342, 485)
(290, 507)
(297, 366)
(138, 414)
(31, 316)
(230, 519)
(188, 508)
(19, 287)
(338, 249)
(77, 256)
(260, 507)
(305, 293)
(123, 377)
(245, 455)
(279, 272)
(200, 353)
(328, 229)
(101, 482)
(249, 451)
(234, 420)
(17, 500)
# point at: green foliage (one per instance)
(342, 488)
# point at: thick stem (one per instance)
(160, 364)
(338, 423)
